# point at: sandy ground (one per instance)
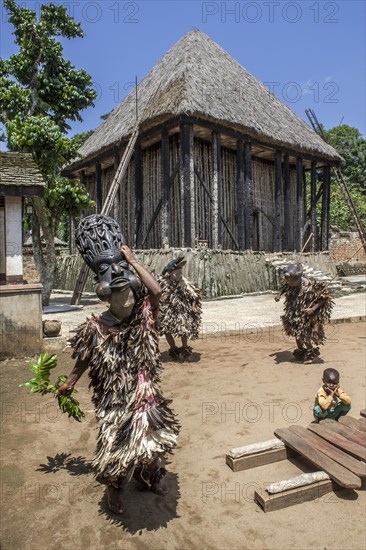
(237, 391)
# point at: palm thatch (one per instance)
(197, 77)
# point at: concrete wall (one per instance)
(13, 240)
(216, 272)
(20, 320)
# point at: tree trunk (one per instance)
(44, 257)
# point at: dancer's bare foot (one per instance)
(114, 496)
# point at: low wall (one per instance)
(20, 320)
(351, 268)
(216, 272)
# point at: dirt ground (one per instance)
(236, 391)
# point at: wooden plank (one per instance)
(349, 462)
(259, 459)
(357, 436)
(338, 473)
(363, 413)
(269, 503)
(361, 422)
(350, 421)
(343, 443)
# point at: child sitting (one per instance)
(331, 401)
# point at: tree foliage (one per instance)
(351, 146)
(41, 384)
(40, 93)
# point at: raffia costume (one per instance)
(135, 422)
(307, 329)
(180, 308)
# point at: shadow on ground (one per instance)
(75, 465)
(144, 510)
(288, 357)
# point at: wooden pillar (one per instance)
(277, 230)
(187, 184)
(138, 195)
(216, 192)
(287, 229)
(304, 196)
(313, 206)
(240, 194)
(299, 205)
(116, 203)
(248, 196)
(98, 188)
(165, 170)
(325, 208)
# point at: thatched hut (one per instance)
(219, 159)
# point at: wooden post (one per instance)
(98, 188)
(299, 204)
(325, 208)
(287, 229)
(277, 230)
(187, 183)
(116, 204)
(313, 206)
(248, 193)
(138, 195)
(165, 170)
(216, 191)
(304, 195)
(240, 195)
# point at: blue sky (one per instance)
(310, 53)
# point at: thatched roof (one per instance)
(19, 175)
(197, 77)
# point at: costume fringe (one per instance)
(180, 309)
(135, 421)
(295, 323)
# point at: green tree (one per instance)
(351, 145)
(40, 92)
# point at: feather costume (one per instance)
(303, 327)
(180, 308)
(135, 421)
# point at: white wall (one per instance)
(13, 236)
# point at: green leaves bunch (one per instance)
(41, 384)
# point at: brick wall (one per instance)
(343, 246)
